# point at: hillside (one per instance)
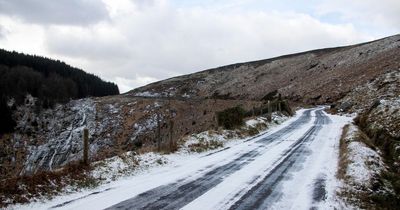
(314, 77)
(361, 79)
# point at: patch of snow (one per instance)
(148, 124)
(214, 139)
(126, 164)
(253, 122)
(185, 95)
(113, 109)
(10, 102)
(365, 163)
(147, 94)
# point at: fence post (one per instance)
(171, 137)
(158, 133)
(279, 106)
(86, 146)
(269, 111)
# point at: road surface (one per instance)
(291, 167)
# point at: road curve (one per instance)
(265, 192)
(178, 194)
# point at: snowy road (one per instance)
(291, 167)
(178, 194)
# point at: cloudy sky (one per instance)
(135, 42)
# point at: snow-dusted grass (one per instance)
(147, 94)
(127, 164)
(214, 139)
(360, 170)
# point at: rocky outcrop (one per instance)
(380, 100)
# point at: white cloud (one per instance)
(69, 12)
(2, 31)
(27, 38)
(144, 41)
(373, 14)
(126, 85)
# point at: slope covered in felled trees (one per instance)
(48, 80)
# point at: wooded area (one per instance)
(51, 81)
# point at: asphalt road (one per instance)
(266, 189)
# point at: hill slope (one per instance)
(319, 76)
(156, 116)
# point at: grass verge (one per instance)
(46, 184)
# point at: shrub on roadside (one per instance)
(231, 118)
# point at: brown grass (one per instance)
(47, 184)
(205, 146)
(343, 154)
(374, 196)
(331, 110)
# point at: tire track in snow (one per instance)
(266, 192)
(178, 194)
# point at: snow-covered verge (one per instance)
(109, 172)
(361, 171)
(131, 163)
(213, 139)
(127, 164)
(377, 105)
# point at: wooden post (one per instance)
(279, 106)
(171, 139)
(158, 132)
(215, 119)
(269, 111)
(86, 146)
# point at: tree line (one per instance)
(51, 81)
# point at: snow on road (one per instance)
(293, 166)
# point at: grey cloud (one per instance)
(2, 32)
(64, 12)
(160, 42)
(87, 47)
(144, 3)
(381, 15)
